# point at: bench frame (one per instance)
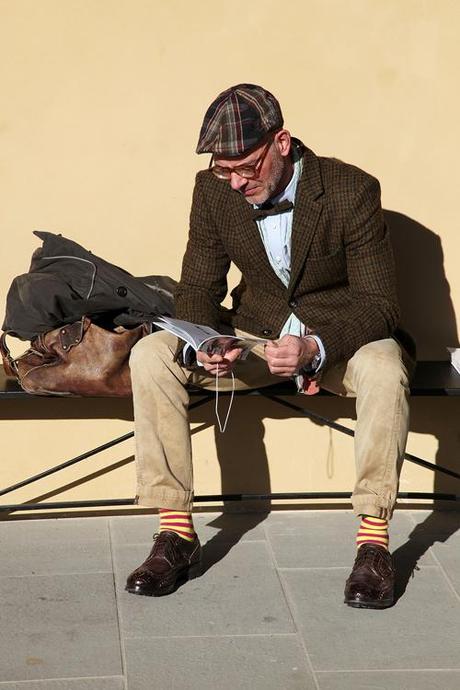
(431, 379)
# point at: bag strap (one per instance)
(9, 364)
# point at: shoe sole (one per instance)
(188, 573)
(384, 604)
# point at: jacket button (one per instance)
(293, 303)
(266, 331)
(122, 291)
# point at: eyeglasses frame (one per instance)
(252, 168)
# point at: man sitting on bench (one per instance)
(308, 235)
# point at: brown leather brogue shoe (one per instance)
(371, 582)
(171, 561)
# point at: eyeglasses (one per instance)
(248, 171)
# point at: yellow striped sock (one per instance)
(372, 530)
(178, 521)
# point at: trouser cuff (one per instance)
(160, 498)
(372, 508)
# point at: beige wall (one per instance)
(101, 104)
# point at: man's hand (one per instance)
(285, 357)
(219, 364)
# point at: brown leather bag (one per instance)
(80, 358)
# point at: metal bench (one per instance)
(430, 379)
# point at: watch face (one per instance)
(315, 361)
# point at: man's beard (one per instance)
(271, 186)
(275, 177)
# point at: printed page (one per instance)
(221, 344)
(192, 333)
(205, 338)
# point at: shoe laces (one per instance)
(372, 557)
(163, 546)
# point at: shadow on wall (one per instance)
(424, 293)
(428, 314)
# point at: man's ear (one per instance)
(282, 140)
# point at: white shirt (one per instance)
(276, 232)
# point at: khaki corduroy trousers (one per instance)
(377, 376)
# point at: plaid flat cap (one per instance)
(238, 119)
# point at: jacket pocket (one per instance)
(326, 271)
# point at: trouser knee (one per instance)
(380, 365)
(152, 351)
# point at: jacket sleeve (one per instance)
(374, 311)
(203, 282)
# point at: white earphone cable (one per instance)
(223, 426)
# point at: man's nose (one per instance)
(237, 182)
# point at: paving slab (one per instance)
(239, 594)
(448, 555)
(234, 626)
(43, 547)
(390, 680)
(112, 683)
(228, 663)
(61, 626)
(421, 631)
(140, 529)
(438, 522)
(325, 540)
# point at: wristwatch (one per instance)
(311, 368)
(315, 362)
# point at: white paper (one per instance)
(455, 357)
(205, 338)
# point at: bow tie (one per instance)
(269, 209)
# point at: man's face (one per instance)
(273, 169)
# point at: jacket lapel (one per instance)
(307, 210)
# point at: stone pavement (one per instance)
(267, 614)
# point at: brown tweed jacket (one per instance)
(342, 283)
